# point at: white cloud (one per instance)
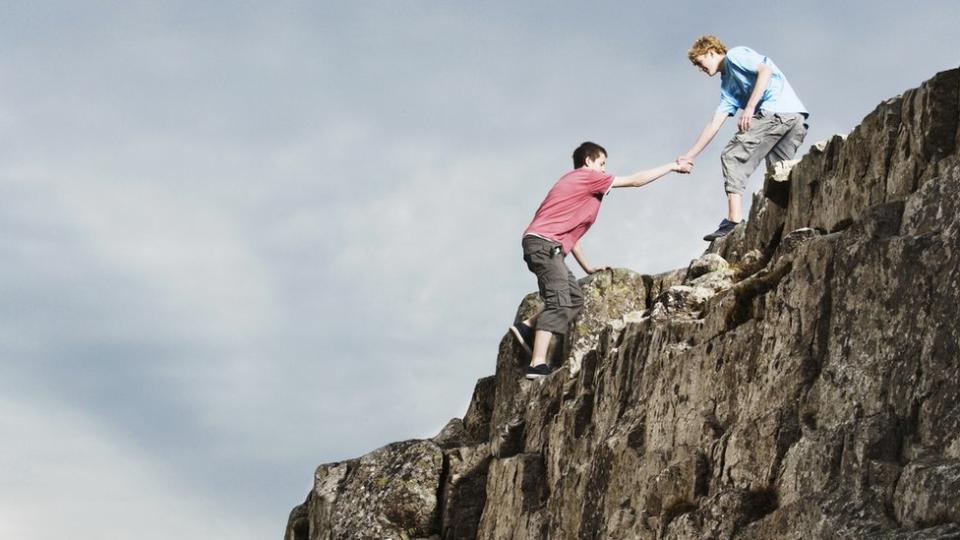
(64, 476)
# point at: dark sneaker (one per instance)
(538, 372)
(524, 335)
(725, 227)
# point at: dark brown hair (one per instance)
(587, 150)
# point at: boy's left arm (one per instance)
(763, 78)
(578, 254)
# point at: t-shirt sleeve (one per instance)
(600, 183)
(745, 59)
(728, 105)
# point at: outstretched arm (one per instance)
(578, 254)
(706, 135)
(643, 178)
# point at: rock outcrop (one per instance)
(800, 380)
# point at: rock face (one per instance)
(388, 493)
(800, 380)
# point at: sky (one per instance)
(242, 239)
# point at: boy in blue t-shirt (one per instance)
(772, 123)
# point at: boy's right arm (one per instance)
(707, 135)
(643, 178)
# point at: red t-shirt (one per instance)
(571, 207)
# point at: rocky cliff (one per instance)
(799, 380)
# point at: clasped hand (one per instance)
(684, 165)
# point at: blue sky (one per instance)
(242, 240)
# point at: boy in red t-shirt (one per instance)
(564, 216)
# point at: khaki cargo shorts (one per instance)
(772, 136)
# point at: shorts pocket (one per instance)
(557, 294)
(558, 297)
(742, 147)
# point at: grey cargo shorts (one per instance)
(560, 291)
(774, 136)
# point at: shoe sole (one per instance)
(516, 334)
(711, 237)
(533, 377)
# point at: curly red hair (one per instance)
(705, 44)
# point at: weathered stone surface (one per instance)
(805, 387)
(681, 300)
(732, 246)
(452, 435)
(607, 295)
(780, 172)
(721, 516)
(388, 493)
(792, 240)
(715, 282)
(709, 262)
(464, 491)
(928, 493)
(661, 282)
(519, 486)
(298, 525)
(476, 421)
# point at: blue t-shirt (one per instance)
(739, 76)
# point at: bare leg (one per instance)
(541, 341)
(734, 207)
